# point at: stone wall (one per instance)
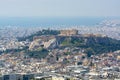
(68, 32)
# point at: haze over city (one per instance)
(59, 40)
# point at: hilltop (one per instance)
(42, 42)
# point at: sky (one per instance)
(59, 8)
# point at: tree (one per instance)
(89, 52)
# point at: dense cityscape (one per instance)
(59, 40)
(66, 54)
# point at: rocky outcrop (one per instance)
(40, 43)
(36, 44)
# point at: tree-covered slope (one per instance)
(95, 45)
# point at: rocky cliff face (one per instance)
(40, 43)
(36, 44)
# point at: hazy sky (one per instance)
(59, 8)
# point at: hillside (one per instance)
(50, 40)
(92, 45)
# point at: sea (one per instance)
(47, 22)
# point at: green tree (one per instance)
(89, 52)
